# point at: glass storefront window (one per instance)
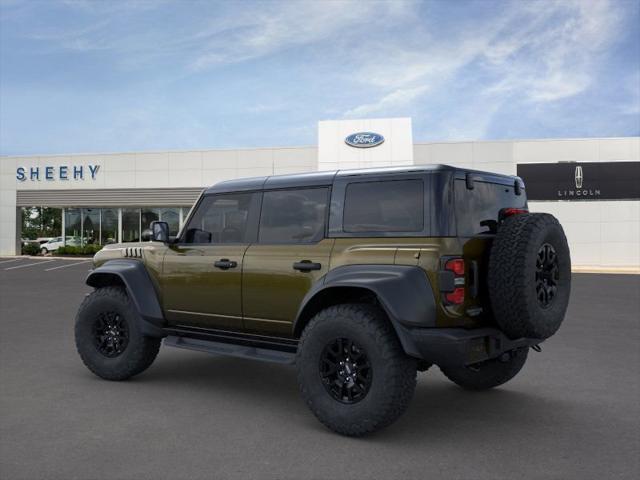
(130, 224)
(72, 226)
(149, 215)
(90, 226)
(109, 226)
(172, 217)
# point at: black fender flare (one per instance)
(403, 291)
(136, 279)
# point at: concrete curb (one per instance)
(41, 258)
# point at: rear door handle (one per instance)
(225, 264)
(306, 266)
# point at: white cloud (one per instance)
(536, 51)
(398, 98)
(287, 25)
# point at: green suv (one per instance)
(360, 278)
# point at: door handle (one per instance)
(306, 266)
(225, 264)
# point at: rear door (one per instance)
(291, 254)
(202, 272)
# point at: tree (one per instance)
(41, 222)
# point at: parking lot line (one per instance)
(65, 266)
(30, 264)
(9, 261)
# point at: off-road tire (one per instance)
(393, 379)
(513, 276)
(487, 374)
(140, 351)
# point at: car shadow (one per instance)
(440, 411)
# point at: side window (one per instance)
(224, 218)
(293, 216)
(384, 206)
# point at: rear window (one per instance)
(385, 206)
(477, 210)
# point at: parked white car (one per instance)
(57, 242)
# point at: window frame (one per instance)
(252, 219)
(325, 228)
(338, 200)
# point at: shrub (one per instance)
(31, 249)
(84, 250)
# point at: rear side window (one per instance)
(293, 216)
(385, 206)
(477, 210)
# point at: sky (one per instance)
(87, 76)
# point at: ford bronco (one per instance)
(360, 278)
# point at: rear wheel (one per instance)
(352, 370)
(108, 338)
(488, 374)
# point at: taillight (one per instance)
(510, 212)
(456, 265)
(453, 281)
(456, 297)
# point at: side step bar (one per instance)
(237, 344)
(220, 348)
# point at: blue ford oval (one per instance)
(364, 139)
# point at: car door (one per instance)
(291, 254)
(202, 271)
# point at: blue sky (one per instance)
(88, 76)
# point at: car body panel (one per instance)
(196, 292)
(272, 289)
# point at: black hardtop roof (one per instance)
(313, 179)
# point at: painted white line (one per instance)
(30, 264)
(9, 261)
(65, 266)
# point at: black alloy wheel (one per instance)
(110, 334)
(547, 275)
(345, 370)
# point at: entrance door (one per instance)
(290, 256)
(202, 272)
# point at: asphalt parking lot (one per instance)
(573, 412)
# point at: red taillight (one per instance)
(455, 265)
(508, 212)
(453, 286)
(456, 297)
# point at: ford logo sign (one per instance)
(364, 139)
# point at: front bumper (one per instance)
(458, 346)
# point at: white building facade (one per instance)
(590, 184)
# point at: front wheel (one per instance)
(108, 337)
(352, 370)
(489, 374)
(44, 251)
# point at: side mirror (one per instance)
(160, 232)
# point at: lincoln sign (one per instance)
(581, 180)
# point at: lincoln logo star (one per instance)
(579, 177)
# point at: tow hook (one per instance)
(536, 348)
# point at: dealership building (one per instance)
(591, 184)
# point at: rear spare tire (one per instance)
(529, 276)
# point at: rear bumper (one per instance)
(458, 346)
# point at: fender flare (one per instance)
(404, 292)
(136, 279)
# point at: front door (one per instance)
(291, 254)
(202, 272)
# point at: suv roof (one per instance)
(311, 179)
